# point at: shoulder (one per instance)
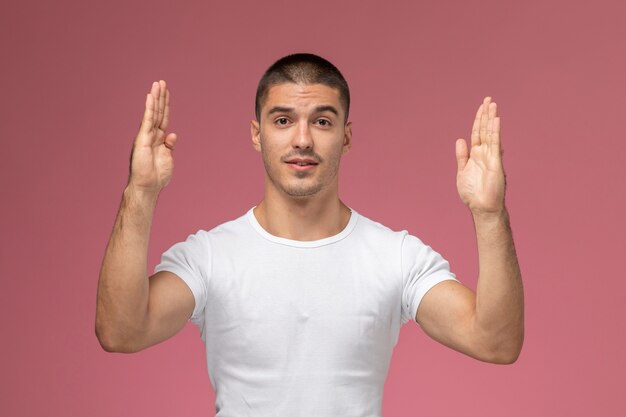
(411, 246)
(378, 237)
(373, 228)
(201, 241)
(232, 227)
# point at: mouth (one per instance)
(302, 163)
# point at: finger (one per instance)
(493, 109)
(170, 141)
(495, 134)
(156, 105)
(484, 118)
(490, 118)
(148, 115)
(462, 154)
(162, 89)
(476, 127)
(490, 123)
(156, 87)
(166, 113)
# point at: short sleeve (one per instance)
(190, 260)
(422, 269)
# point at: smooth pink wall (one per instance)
(74, 75)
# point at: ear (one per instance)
(347, 138)
(255, 133)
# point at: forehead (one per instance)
(302, 96)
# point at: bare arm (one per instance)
(134, 312)
(488, 324)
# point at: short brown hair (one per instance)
(302, 68)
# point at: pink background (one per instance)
(74, 78)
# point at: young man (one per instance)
(300, 300)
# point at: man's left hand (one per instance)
(480, 176)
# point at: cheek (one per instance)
(267, 147)
(270, 153)
(274, 139)
(337, 151)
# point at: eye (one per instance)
(323, 122)
(282, 121)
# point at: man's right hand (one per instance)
(134, 312)
(151, 163)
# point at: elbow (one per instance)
(507, 352)
(505, 358)
(112, 343)
(501, 344)
(107, 342)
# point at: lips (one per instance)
(302, 165)
(301, 161)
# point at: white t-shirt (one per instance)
(302, 328)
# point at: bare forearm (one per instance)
(499, 295)
(123, 286)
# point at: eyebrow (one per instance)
(318, 109)
(332, 109)
(279, 109)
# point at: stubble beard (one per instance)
(300, 188)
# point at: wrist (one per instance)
(490, 217)
(140, 196)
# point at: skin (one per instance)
(302, 121)
(132, 311)
(305, 122)
(489, 324)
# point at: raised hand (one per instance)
(134, 312)
(152, 164)
(480, 174)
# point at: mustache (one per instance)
(303, 153)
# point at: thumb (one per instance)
(462, 154)
(170, 141)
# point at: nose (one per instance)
(302, 138)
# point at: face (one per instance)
(301, 134)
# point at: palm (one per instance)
(480, 175)
(152, 163)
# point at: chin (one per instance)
(301, 192)
(300, 188)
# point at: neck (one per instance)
(302, 218)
